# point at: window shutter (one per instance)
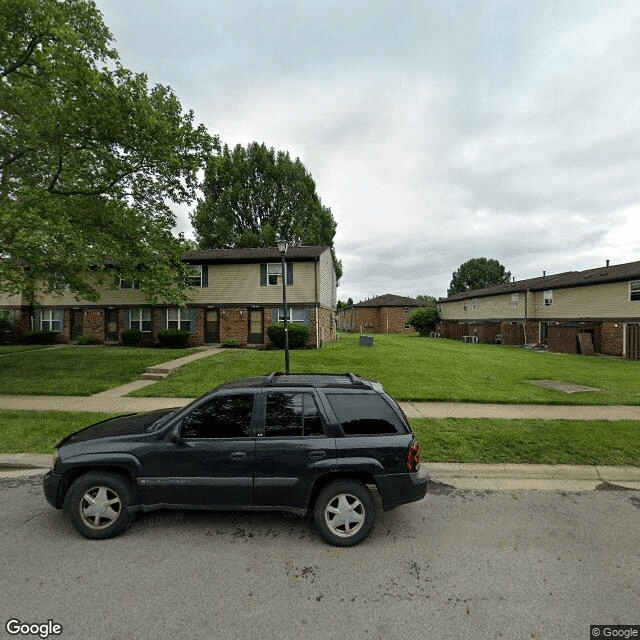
(205, 275)
(274, 315)
(127, 318)
(263, 275)
(193, 319)
(289, 274)
(307, 317)
(163, 319)
(37, 319)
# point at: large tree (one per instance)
(91, 159)
(477, 273)
(253, 194)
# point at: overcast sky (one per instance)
(436, 131)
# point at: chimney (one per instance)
(544, 274)
(514, 279)
(607, 263)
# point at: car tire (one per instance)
(97, 505)
(344, 513)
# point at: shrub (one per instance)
(40, 336)
(231, 343)
(131, 337)
(424, 319)
(173, 338)
(84, 339)
(299, 335)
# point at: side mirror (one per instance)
(174, 435)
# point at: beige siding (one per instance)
(7, 300)
(327, 280)
(489, 308)
(610, 300)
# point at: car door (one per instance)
(210, 464)
(292, 449)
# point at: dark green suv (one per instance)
(312, 443)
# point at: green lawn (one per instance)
(529, 441)
(76, 370)
(413, 369)
(10, 349)
(471, 441)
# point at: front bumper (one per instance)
(52, 485)
(400, 488)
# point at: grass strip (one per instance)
(529, 441)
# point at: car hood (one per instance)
(130, 424)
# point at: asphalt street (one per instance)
(459, 564)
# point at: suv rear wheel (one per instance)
(344, 512)
(97, 504)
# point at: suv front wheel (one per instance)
(344, 512)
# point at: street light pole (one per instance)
(283, 245)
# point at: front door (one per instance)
(212, 326)
(256, 326)
(111, 319)
(76, 323)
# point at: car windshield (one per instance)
(160, 422)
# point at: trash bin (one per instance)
(366, 341)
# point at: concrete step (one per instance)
(162, 369)
(150, 375)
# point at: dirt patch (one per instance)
(565, 387)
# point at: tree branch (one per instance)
(24, 58)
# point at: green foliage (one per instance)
(173, 338)
(231, 343)
(91, 157)
(131, 337)
(424, 319)
(6, 322)
(39, 336)
(430, 300)
(84, 339)
(252, 195)
(477, 273)
(299, 335)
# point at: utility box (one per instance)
(366, 341)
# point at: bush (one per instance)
(299, 335)
(173, 338)
(424, 319)
(84, 339)
(231, 343)
(131, 337)
(39, 336)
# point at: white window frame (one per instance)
(634, 290)
(52, 319)
(548, 298)
(514, 300)
(139, 317)
(296, 314)
(474, 304)
(196, 275)
(181, 318)
(407, 311)
(274, 274)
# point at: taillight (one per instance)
(413, 456)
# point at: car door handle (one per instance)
(317, 455)
(238, 455)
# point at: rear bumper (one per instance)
(52, 487)
(400, 488)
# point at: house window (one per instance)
(296, 314)
(634, 291)
(514, 300)
(548, 297)
(474, 304)
(274, 273)
(465, 305)
(407, 311)
(140, 319)
(195, 275)
(52, 320)
(126, 284)
(179, 319)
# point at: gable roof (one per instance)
(599, 275)
(253, 254)
(390, 300)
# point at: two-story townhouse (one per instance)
(570, 312)
(236, 293)
(383, 314)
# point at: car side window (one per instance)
(364, 414)
(292, 414)
(220, 417)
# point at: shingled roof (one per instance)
(599, 275)
(389, 300)
(254, 254)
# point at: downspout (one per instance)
(315, 275)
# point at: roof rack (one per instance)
(314, 378)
